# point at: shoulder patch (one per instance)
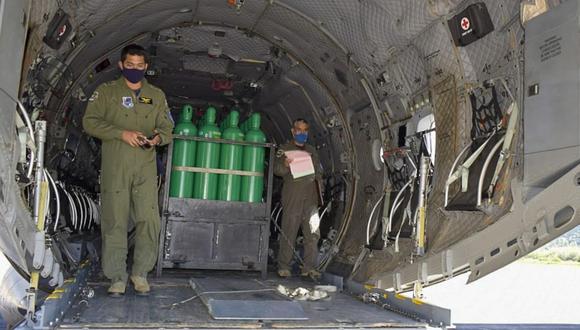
(279, 153)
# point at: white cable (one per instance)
(31, 165)
(274, 210)
(81, 211)
(278, 215)
(414, 174)
(406, 215)
(72, 209)
(47, 200)
(92, 209)
(97, 214)
(371, 217)
(57, 197)
(78, 220)
(85, 209)
(396, 202)
(324, 211)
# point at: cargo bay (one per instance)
(430, 129)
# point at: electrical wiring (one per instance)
(346, 224)
(57, 198)
(325, 210)
(371, 217)
(72, 209)
(396, 202)
(81, 211)
(47, 199)
(278, 215)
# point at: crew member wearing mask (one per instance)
(300, 199)
(130, 117)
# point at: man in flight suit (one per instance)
(300, 198)
(130, 117)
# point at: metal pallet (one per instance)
(213, 234)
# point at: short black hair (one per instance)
(134, 49)
(300, 120)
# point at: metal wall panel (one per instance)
(16, 225)
(552, 117)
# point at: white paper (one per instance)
(300, 163)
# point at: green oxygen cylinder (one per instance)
(208, 153)
(231, 159)
(253, 160)
(181, 182)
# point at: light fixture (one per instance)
(184, 10)
(214, 50)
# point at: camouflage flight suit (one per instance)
(300, 201)
(128, 174)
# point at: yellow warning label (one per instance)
(54, 295)
(417, 301)
(369, 286)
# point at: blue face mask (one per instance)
(133, 75)
(301, 138)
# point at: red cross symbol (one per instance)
(61, 30)
(465, 23)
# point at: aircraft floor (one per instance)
(156, 310)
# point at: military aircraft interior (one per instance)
(447, 132)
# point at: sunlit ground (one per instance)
(523, 292)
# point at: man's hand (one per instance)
(133, 138)
(156, 140)
(287, 162)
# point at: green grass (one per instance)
(555, 255)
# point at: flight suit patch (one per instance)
(145, 100)
(128, 102)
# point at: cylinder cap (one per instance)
(186, 113)
(233, 119)
(255, 121)
(210, 114)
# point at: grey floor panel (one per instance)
(156, 310)
(221, 309)
(245, 298)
